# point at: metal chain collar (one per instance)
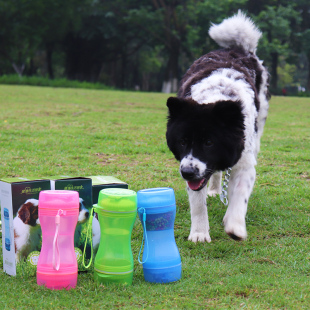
(223, 195)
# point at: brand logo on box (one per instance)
(29, 190)
(8, 263)
(71, 187)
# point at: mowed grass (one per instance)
(79, 132)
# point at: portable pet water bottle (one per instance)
(7, 238)
(161, 258)
(58, 214)
(117, 211)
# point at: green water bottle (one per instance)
(117, 211)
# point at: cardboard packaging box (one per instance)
(21, 232)
(84, 187)
(101, 182)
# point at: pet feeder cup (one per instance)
(58, 214)
(117, 211)
(161, 258)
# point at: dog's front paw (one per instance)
(235, 229)
(200, 237)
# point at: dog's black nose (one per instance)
(188, 173)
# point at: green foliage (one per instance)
(41, 81)
(279, 25)
(286, 74)
(49, 131)
(137, 42)
(276, 24)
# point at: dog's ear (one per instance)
(174, 106)
(177, 106)
(229, 114)
(24, 213)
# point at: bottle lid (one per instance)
(156, 200)
(59, 199)
(117, 200)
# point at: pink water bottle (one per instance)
(58, 214)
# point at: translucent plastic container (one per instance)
(7, 235)
(161, 258)
(117, 211)
(58, 214)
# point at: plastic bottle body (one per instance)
(57, 265)
(114, 259)
(161, 258)
(163, 264)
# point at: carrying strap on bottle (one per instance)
(144, 237)
(89, 228)
(56, 254)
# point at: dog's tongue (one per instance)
(194, 185)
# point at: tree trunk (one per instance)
(170, 83)
(49, 54)
(123, 70)
(308, 79)
(274, 75)
(19, 69)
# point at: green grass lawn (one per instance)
(79, 132)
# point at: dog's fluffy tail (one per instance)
(236, 31)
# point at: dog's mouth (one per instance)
(197, 185)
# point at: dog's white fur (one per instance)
(191, 160)
(235, 31)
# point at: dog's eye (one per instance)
(183, 142)
(208, 143)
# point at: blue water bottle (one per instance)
(161, 258)
(7, 238)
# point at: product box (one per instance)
(21, 232)
(84, 187)
(101, 182)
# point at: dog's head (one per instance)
(204, 137)
(83, 212)
(28, 212)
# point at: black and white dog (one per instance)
(216, 123)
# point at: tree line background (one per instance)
(145, 44)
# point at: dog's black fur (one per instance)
(214, 132)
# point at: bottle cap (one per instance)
(156, 200)
(59, 199)
(117, 200)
